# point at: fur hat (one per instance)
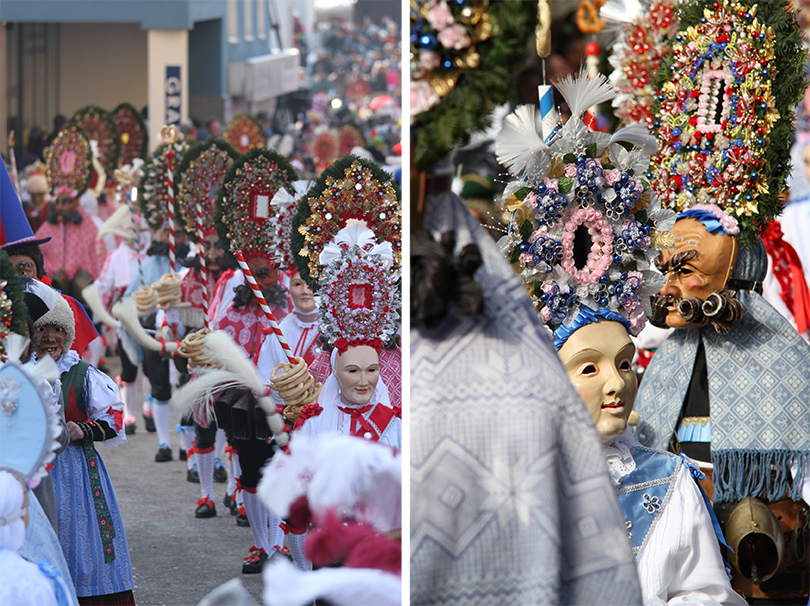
(37, 184)
(61, 315)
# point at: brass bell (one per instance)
(753, 533)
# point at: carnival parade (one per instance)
(203, 263)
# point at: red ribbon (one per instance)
(357, 417)
(787, 267)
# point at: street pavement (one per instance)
(176, 558)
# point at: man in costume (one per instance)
(96, 553)
(72, 258)
(729, 387)
(593, 308)
(247, 221)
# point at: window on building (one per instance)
(261, 21)
(248, 20)
(233, 21)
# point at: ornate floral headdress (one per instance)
(349, 137)
(646, 29)
(347, 240)
(12, 304)
(133, 134)
(98, 124)
(351, 189)
(69, 162)
(198, 178)
(724, 111)
(153, 189)
(244, 133)
(286, 203)
(585, 188)
(246, 217)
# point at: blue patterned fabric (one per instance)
(42, 545)
(645, 491)
(511, 502)
(586, 316)
(78, 527)
(759, 396)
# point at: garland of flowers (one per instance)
(735, 153)
(153, 189)
(69, 161)
(244, 133)
(644, 43)
(198, 178)
(134, 135)
(620, 216)
(351, 188)
(259, 172)
(359, 302)
(98, 125)
(460, 69)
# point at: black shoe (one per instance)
(234, 508)
(227, 501)
(193, 475)
(163, 454)
(205, 509)
(129, 428)
(183, 455)
(241, 520)
(149, 420)
(254, 563)
(220, 475)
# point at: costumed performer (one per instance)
(199, 176)
(592, 289)
(729, 387)
(349, 253)
(247, 223)
(72, 258)
(91, 530)
(30, 573)
(517, 506)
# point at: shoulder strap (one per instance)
(73, 387)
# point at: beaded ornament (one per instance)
(246, 216)
(98, 124)
(584, 188)
(153, 189)
(69, 162)
(244, 133)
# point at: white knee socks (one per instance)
(205, 466)
(257, 515)
(162, 413)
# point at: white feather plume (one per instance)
(637, 135)
(518, 142)
(127, 313)
(582, 92)
(94, 302)
(119, 223)
(360, 235)
(200, 391)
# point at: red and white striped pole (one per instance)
(170, 153)
(203, 267)
(265, 308)
(170, 134)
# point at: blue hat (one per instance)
(14, 226)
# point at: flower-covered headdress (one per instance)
(584, 194)
(98, 124)
(198, 178)
(350, 190)
(286, 203)
(132, 133)
(724, 109)
(246, 216)
(644, 40)
(244, 133)
(69, 162)
(153, 189)
(13, 311)
(346, 235)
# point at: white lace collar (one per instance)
(620, 457)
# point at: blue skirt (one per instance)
(79, 533)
